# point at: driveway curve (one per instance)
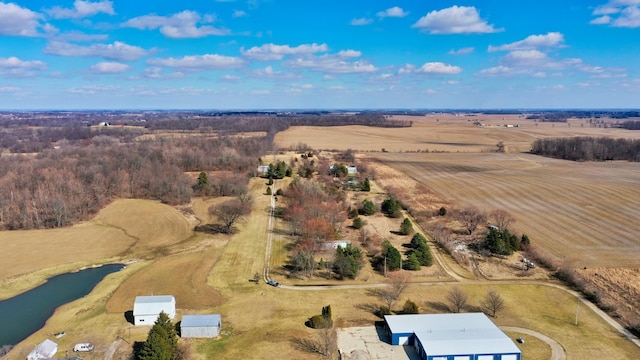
(557, 351)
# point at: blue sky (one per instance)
(299, 54)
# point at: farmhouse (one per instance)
(469, 336)
(336, 244)
(44, 350)
(352, 170)
(200, 326)
(147, 308)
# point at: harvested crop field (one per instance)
(585, 213)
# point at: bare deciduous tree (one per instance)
(492, 303)
(457, 299)
(502, 219)
(325, 343)
(229, 212)
(398, 282)
(470, 217)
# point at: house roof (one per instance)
(201, 320)
(459, 334)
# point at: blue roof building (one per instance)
(468, 336)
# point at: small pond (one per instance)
(22, 315)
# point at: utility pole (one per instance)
(385, 266)
(577, 308)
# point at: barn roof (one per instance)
(145, 305)
(201, 320)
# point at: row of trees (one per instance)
(588, 148)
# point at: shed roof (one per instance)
(154, 299)
(201, 320)
(446, 334)
(149, 305)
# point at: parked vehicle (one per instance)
(273, 283)
(83, 347)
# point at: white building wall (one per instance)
(199, 332)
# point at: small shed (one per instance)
(147, 308)
(263, 170)
(352, 170)
(200, 326)
(44, 350)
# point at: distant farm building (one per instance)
(200, 326)
(336, 244)
(468, 336)
(44, 350)
(263, 170)
(352, 171)
(147, 308)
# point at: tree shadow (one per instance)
(438, 306)
(128, 316)
(372, 308)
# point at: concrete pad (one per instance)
(371, 343)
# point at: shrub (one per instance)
(383, 310)
(442, 211)
(279, 192)
(391, 208)
(410, 307)
(268, 192)
(358, 223)
(318, 322)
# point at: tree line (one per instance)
(588, 148)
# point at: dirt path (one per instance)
(108, 355)
(557, 352)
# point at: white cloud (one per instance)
(393, 12)
(349, 53)
(230, 78)
(109, 68)
(116, 51)
(177, 26)
(13, 66)
(618, 13)
(82, 9)
(156, 72)
(199, 62)
(431, 68)
(239, 13)
(269, 72)
(18, 21)
(332, 64)
(80, 37)
(462, 51)
(270, 52)
(9, 89)
(454, 20)
(361, 21)
(551, 39)
(92, 89)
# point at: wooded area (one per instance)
(588, 148)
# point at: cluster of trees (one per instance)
(631, 125)
(588, 148)
(315, 216)
(278, 170)
(503, 242)
(60, 187)
(419, 252)
(491, 304)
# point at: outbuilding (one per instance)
(200, 326)
(468, 336)
(147, 308)
(44, 350)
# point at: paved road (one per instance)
(557, 351)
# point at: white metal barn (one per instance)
(200, 326)
(44, 350)
(468, 336)
(147, 308)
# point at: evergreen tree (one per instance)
(203, 181)
(368, 208)
(410, 307)
(412, 263)
(394, 259)
(421, 249)
(348, 261)
(365, 185)
(162, 341)
(391, 208)
(358, 223)
(406, 228)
